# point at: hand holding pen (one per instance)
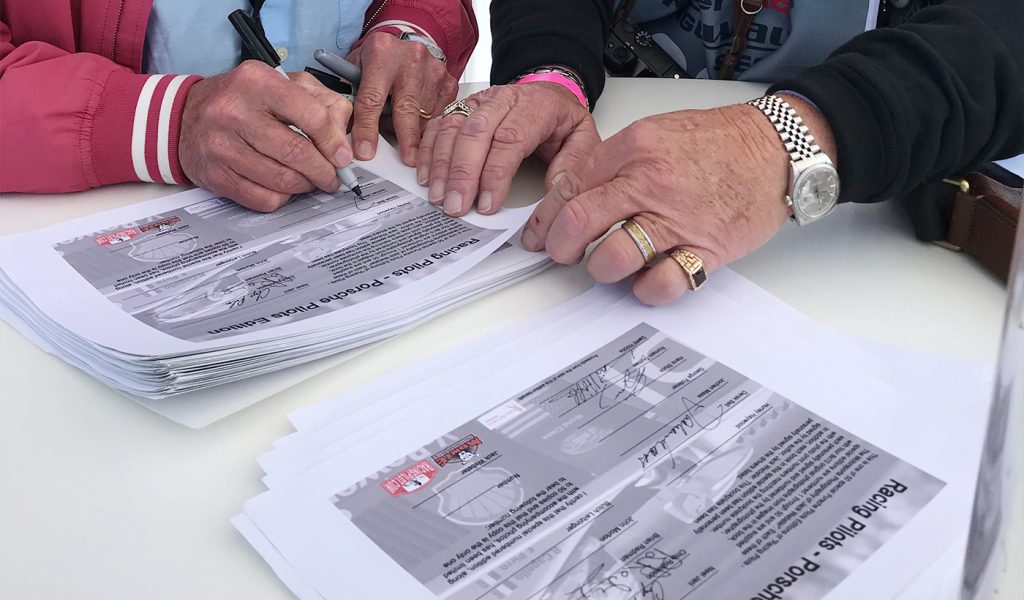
(263, 50)
(234, 137)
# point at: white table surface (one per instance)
(103, 499)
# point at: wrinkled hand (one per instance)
(467, 159)
(235, 139)
(412, 77)
(708, 181)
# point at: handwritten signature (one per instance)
(636, 580)
(689, 423)
(261, 288)
(598, 384)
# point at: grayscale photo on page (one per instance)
(214, 269)
(643, 470)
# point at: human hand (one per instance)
(235, 139)
(413, 78)
(467, 159)
(708, 181)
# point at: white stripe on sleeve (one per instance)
(139, 128)
(163, 158)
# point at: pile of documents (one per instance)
(190, 291)
(721, 447)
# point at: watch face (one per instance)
(815, 191)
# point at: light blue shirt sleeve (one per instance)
(195, 37)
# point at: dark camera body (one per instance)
(630, 52)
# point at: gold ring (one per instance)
(692, 265)
(641, 239)
(458, 107)
(425, 115)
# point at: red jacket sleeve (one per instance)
(450, 23)
(75, 120)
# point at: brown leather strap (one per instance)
(744, 13)
(984, 221)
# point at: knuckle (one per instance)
(497, 172)
(269, 202)
(290, 181)
(380, 41)
(249, 71)
(315, 116)
(621, 258)
(475, 126)
(450, 125)
(461, 172)
(576, 213)
(441, 165)
(294, 149)
(635, 132)
(370, 99)
(509, 135)
(406, 105)
(418, 51)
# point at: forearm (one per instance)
(935, 96)
(71, 121)
(531, 33)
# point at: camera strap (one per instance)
(744, 17)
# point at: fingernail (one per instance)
(530, 241)
(364, 150)
(452, 202)
(484, 201)
(342, 157)
(554, 182)
(423, 176)
(436, 193)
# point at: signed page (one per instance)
(641, 470)
(212, 269)
(193, 272)
(191, 291)
(636, 453)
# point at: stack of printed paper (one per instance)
(722, 447)
(191, 291)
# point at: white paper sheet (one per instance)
(862, 410)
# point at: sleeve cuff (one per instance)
(454, 34)
(135, 128)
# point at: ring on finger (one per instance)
(641, 239)
(692, 265)
(459, 107)
(425, 115)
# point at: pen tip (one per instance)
(357, 191)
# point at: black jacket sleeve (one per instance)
(935, 96)
(531, 33)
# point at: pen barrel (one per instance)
(348, 177)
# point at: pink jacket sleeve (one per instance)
(75, 120)
(450, 23)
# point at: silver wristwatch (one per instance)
(432, 48)
(813, 182)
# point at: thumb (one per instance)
(594, 164)
(573, 150)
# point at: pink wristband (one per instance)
(561, 80)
